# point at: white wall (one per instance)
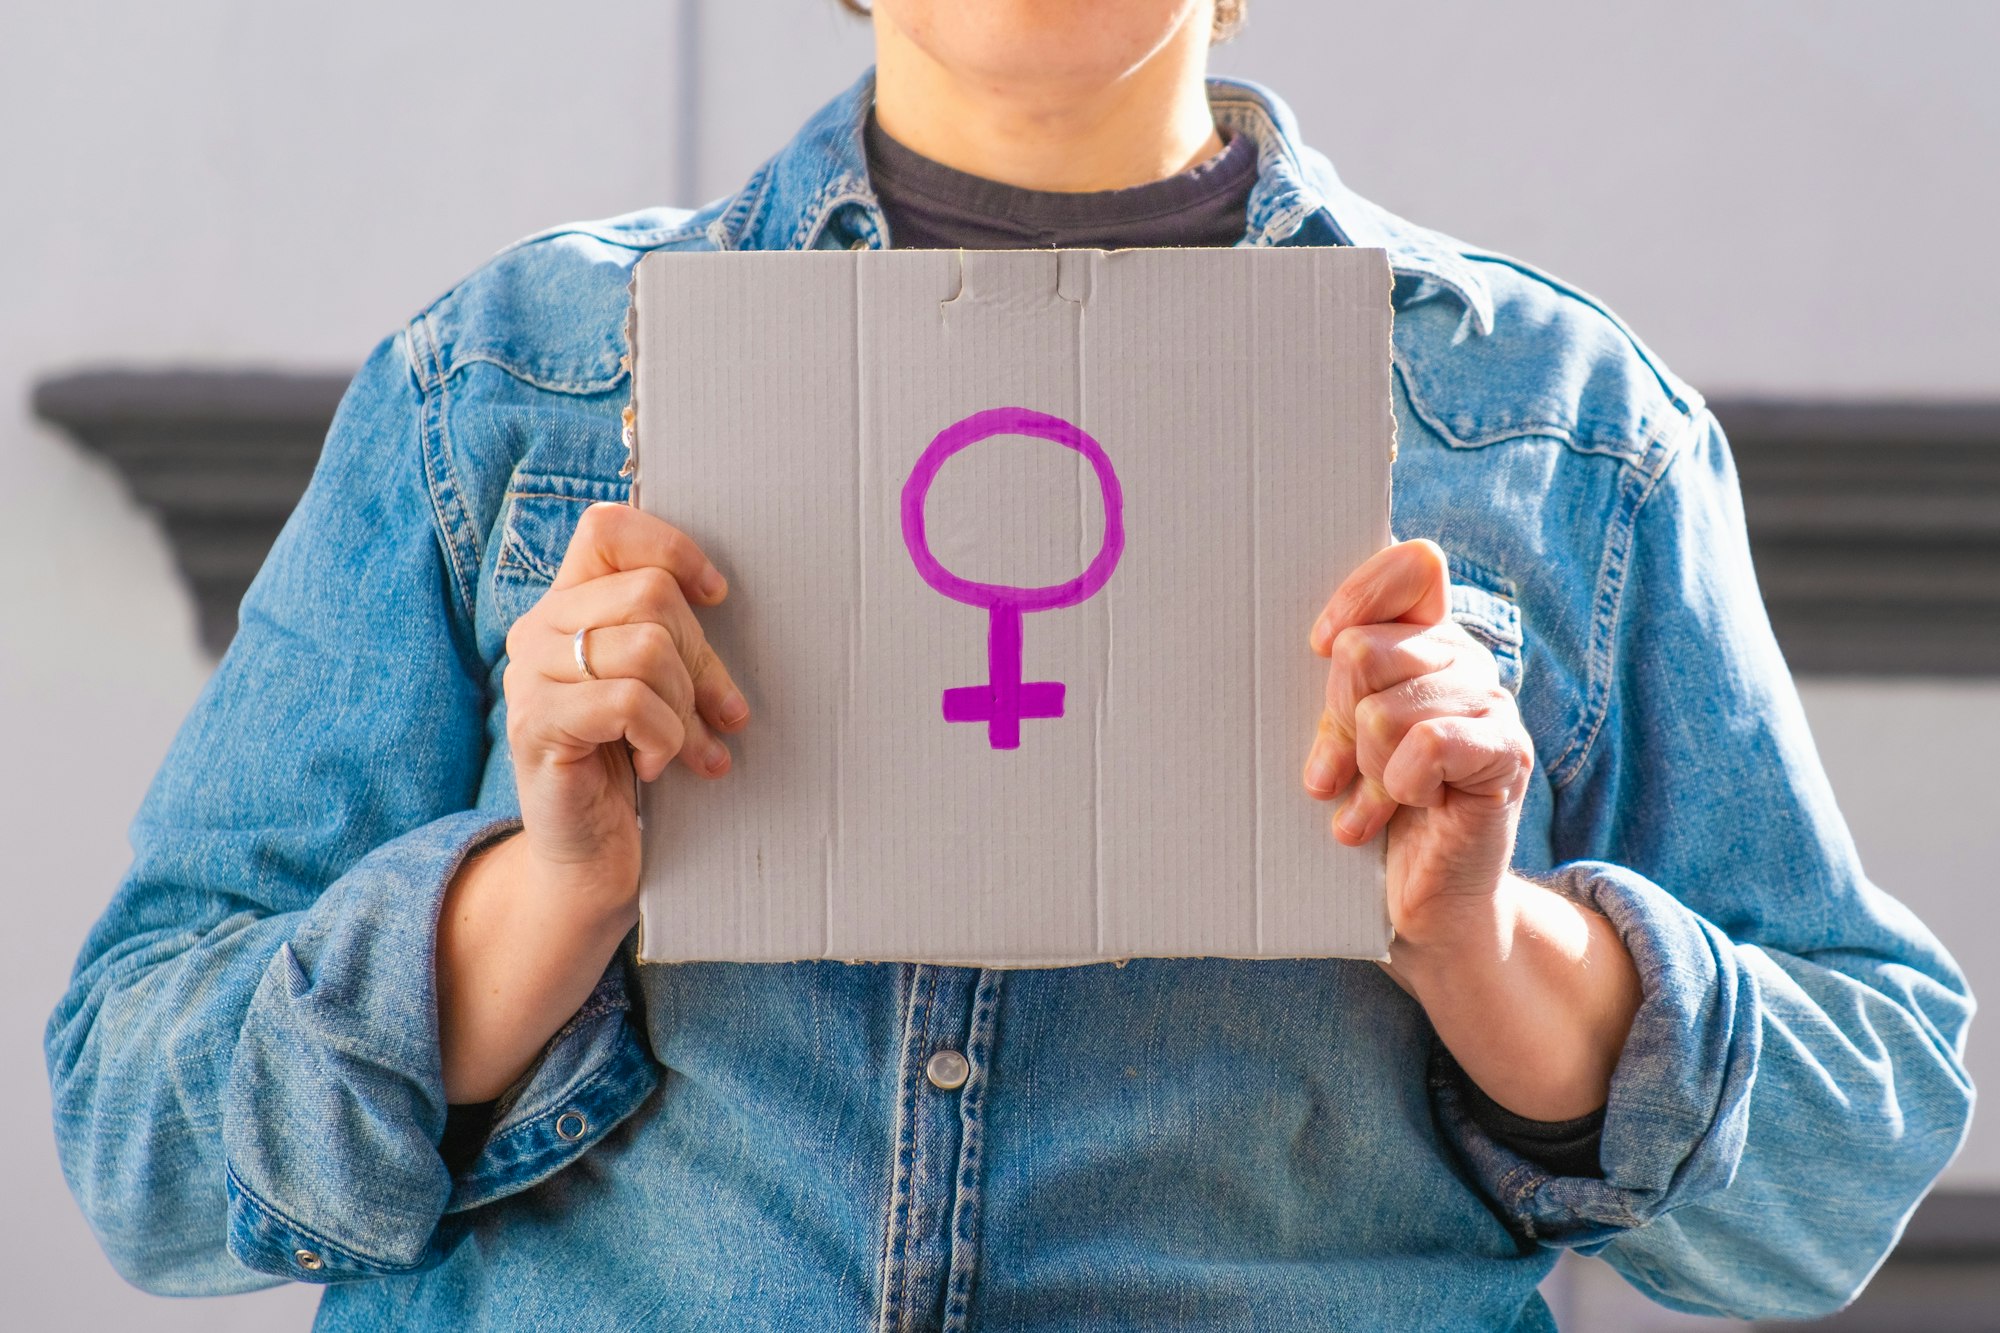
(233, 182)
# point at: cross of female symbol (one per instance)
(1005, 699)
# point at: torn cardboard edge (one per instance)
(744, 346)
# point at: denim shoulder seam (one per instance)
(1639, 479)
(688, 228)
(455, 530)
(1683, 396)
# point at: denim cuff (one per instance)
(1678, 1112)
(593, 1074)
(335, 1106)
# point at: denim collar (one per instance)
(815, 194)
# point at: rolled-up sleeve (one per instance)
(245, 1068)
(1794, 1079)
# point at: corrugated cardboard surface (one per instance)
(1242, 398)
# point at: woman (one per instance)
(364, 1013)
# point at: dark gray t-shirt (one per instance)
(931, 206)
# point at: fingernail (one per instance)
(1349, 820)
(1319, 770)
(734, 709)
(1321, 629)
(715, 757)
(712, 583)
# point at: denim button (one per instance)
(570, 1125)
(947, 1070)
(307, 1260)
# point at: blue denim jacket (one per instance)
(245, 1067)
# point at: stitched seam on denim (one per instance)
(902, 1137)
(905, 1311)
(1640, 480)
(582, 388)
(1569, 436)
(316, 1238)
(686, 230)
(431, 418)
(516, 553)
(731, 225)
(971, 1153)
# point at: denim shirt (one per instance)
(245, 1067)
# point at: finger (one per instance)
(1382, 720)
(567, 723)
(1409, 582)
(1487, 757)
(611, 537)
(1367, 659)
(649, 652)
(645, 651)
(1367, 809)
(1330, 762)
(641, 596)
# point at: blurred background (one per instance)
(212, 209)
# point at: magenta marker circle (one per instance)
(961, 435)
(1005, 699)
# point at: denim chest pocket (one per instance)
(538, 520)
(1487, 606)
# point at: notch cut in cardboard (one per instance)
(1023, 549)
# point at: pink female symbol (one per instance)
(1004, 700)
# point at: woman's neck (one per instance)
(1049, 131)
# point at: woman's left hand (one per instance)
(1427, 741)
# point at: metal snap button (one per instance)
(858, 243)
(947, 1070)
(571, 1125)
(307, 1260)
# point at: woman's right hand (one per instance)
(632, 580)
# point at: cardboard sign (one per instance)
(1023, 548)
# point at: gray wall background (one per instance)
(1791, 197)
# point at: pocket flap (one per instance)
(1486, 605)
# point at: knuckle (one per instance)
(656, 589)
(701, 658)
(656, 643)
(679, 692)
(628, 695)
(597, 523)
(1354, 648)
(1434, 736)
(1374, 721)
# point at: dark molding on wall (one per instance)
(221, 456)
(1875, 526)
(1876, 532)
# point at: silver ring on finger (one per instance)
(582, 659)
